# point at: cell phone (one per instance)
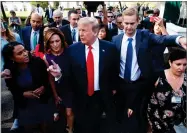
(152, 19)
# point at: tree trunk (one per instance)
(3, 12)
(120, 6)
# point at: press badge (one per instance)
(176, 99)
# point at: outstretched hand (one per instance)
(54, 69)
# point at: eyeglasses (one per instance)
(110, 16)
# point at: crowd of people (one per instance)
(112, 64)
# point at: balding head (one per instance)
(36, 21)
(57, 16)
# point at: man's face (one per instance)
(100, 13)
(119, 22)
(57, 18)
(110, 17)
(73, 19)
(86, 33)
(130, 23)
(78, 11)
(36, 21)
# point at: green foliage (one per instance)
(56, 4)
(43, 4)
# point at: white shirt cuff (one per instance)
(177, 39)
(57, 78)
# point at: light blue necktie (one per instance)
(73, 35)
(110, 26)
(128, 64)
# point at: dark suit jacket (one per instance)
(64, 22)
(77, 75)
(39, 78)
(114, 31)
(145, 42)
(47, 13)
(67, 33)
(26, 36)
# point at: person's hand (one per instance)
(39, 91)
(30, 94)
(183, 42)
(58, 100)
(129, 112)
(54, 69)
(56, 116)
(32, 52)
(6, 74)
(159, 21)
(114, 92)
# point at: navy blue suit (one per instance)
(133, 95)
(26, 36)
(86, 119)
(66, 30)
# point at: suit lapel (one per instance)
(81, 55)
(119, 41)
(29, 37)
(138, 41)
(69, 33)
(102, 51)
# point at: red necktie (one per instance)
(90, 71)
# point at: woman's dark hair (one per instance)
(7, 54)
(8, 49)
(99, 18)
(107, 38)
(176, 54)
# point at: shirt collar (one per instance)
(133, 37)
(95, 45)
(72, 28)
(35, 31)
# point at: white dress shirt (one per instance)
(95, 52)
(39, 10)
(76, 33)
(120, 31)
(50, 13)
(135, 70)
(32, 38)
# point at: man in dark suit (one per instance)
(113, 30)
(92, 73)
(58, 19)
(49, 14)
(119, 22)
(70, 31)
(33, 35)
(136, 77)
(80, 11)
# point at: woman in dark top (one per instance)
(29, 86)
(55, 49)
(167, 105)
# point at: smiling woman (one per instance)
(29, 86)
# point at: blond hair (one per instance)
(130, 12)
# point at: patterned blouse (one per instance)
(162, 112)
